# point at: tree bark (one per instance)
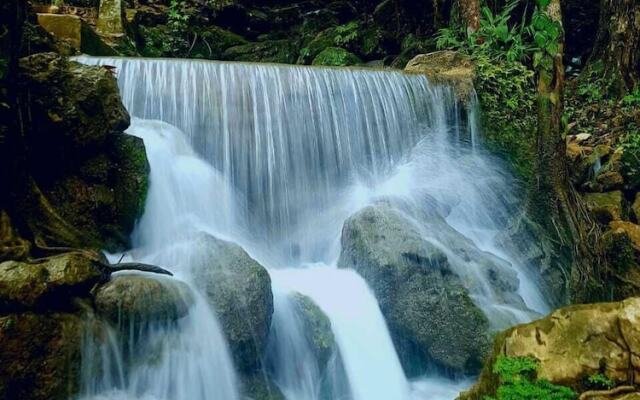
(618, 43)
(469, 11)
(553, 202)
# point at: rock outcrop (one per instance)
(88, 173)
(239, 290)
(429, 311)
(571, 345)
(318, 328)
(446, 67)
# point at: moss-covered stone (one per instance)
(317, 327)
(49, 283)
(239, 290)
(605, 207)
(41, 356)
(128, 300)
(92, 175)
(259, 387)
(429, 312)
(282, 51)
(446, 67)
(336, 57)
(213, 41)
(571, 345)
(64, 27)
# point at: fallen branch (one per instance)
(132, 266)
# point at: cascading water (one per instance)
(284, 156)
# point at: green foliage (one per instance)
(546, 34)
(498, 37)
(178, 23)
(633, 98)
(335, 56)
(599, 381)
(346, 34)
(518, 381)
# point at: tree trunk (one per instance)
(553, 203)
(618, 43)
(469, 11)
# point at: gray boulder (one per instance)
(427, 307)
(239, 290)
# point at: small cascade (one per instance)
(276, 159)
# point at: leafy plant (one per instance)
(633, 98)
(600, 381)
(518, 381)
(346, 34)
(498, 37)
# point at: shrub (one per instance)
(518, 381)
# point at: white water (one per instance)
(284, 156)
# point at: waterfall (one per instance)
(276, 158)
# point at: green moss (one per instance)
(335, 56)
(506, 92)
(212, 41)
(282, 51)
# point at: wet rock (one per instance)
(336, 57)
(605, 207)
(41, 356)
(447, 67)
(571, 344)
(318, 328)
(239, 290)
(49, 283)
(127, 300)
(428, 309)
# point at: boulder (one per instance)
(239, 290)
(318, 328)
(127, 300)
(446, 67)
(429, 311)
(605, 207)
(49, 283)
(96, 177)
(64, 27)
(572, 344)
(41, 356)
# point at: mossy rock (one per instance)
(571, 344)
(213, 41)
(239, 290)
(317, 327)
(41, 356)
(336, 57)
(48, 284)
(259, 387)
(131, 301)
(605, 207)
(430, 314)
(274, 51)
